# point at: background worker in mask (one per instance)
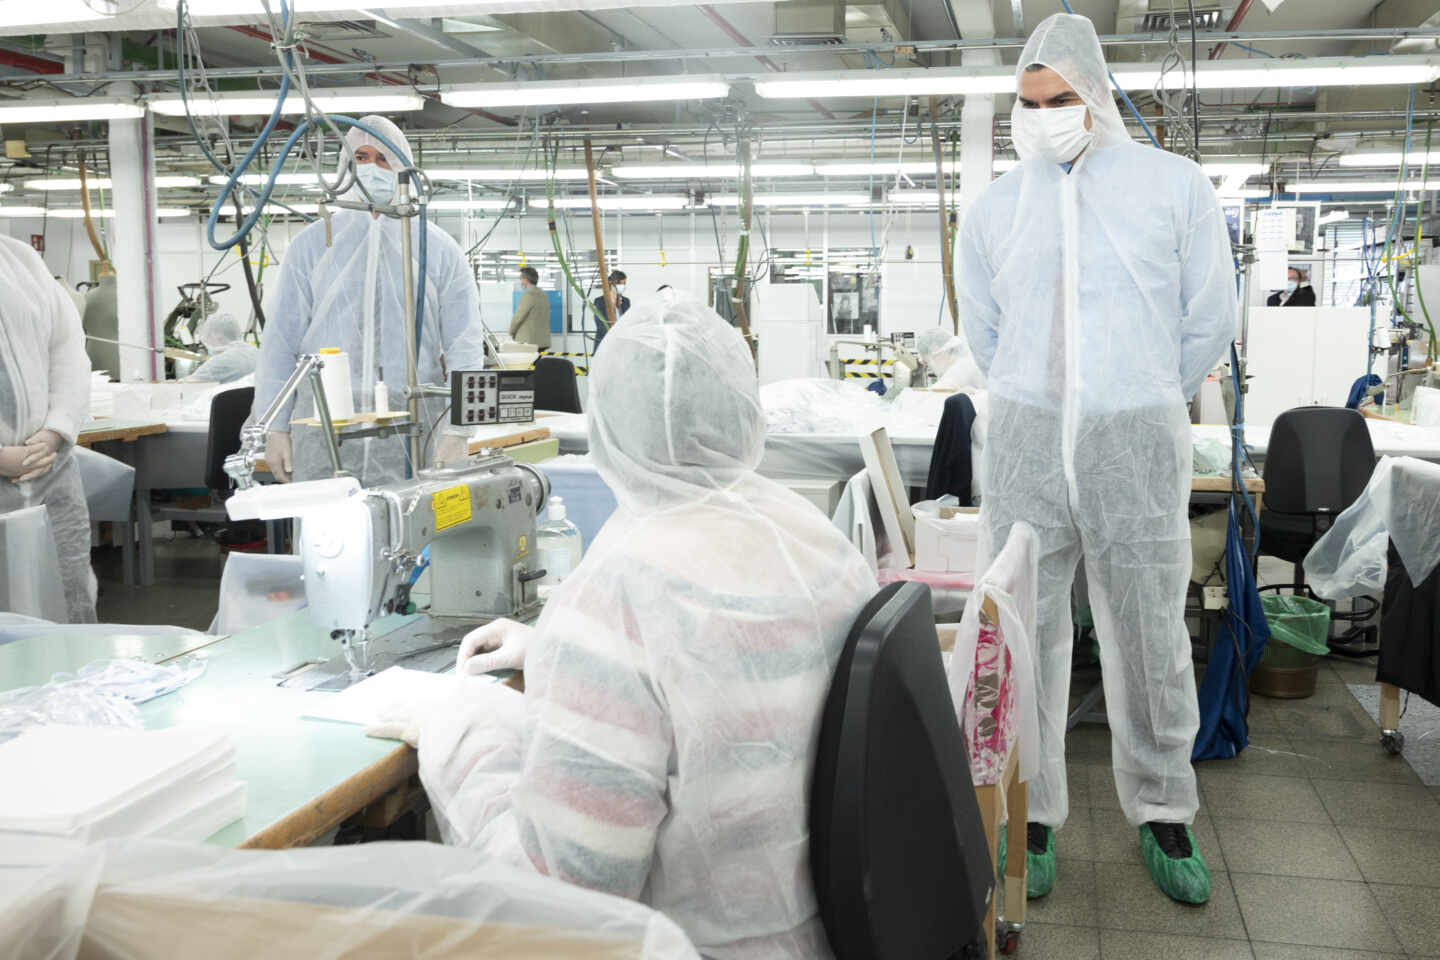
(230, 356)
(1297, 292)
(622, 305)
(1098, 290)
(44, 400)
(350, 294)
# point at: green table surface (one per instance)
(285, 760)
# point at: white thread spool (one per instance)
(335, 380)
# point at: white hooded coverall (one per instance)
(664, 744)
(1095, 303)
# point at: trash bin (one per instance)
(1290, 664)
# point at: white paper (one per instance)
(366, 702)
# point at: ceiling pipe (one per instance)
(24, 61)
(1240, 12)
(713, 15)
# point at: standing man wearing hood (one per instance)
(349, 293)
(1098, 290)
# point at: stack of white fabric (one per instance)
(69, 787)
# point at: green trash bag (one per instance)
(1299, 622)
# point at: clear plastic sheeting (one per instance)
(102, 693)
(30, 581)
(109, 485)
(15, 626)
(821, 406)
(257, 588)
(147, 900)
(1400, 504)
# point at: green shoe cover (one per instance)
(1185, 880)
(1039, 867)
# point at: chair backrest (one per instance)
(228, 411)
(897, 849)
(555, 387)
(1318, 461)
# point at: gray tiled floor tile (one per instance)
(1262, 798)
(1128, 945)
(1290, 951)
(1129, 900)
(1379, 804)
(1118, 842)
(1049, 941)
(1072, 902)
(1413, 916)
(1323, 913)
(1388, 855)
(1268, 755)
(1077, 784)
(1352, 760)
(1102, 787)
(1076, 840)
(1285, 849)
(1088, 743)
(1352, 671)
(1294, 718)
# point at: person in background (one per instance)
(663, 748)
(622, 304)
(1297, 292)
(343, 286)
(44, 400)
(1097, 291)
(230, 356)
(531, 322)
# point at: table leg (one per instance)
(126, 532)
(146, 522)
(1017, 809)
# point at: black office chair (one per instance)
(228, 411)
(897, 849)
(1318, 461)
(555, 387)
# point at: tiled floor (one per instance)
(1323, 847)
(186, 590)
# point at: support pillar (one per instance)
(132, 244)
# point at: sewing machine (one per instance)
(362, 551)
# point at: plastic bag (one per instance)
(100, 694)
(1298, 621)
(136, 680)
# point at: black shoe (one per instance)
(1172, 838)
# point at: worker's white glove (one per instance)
(451, 448)
(499, 645)
(40, 452)
(397, 722)
(277, 455)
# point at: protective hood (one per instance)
(1067, 44)
(675, 408)
(219, 331)
(358, 138)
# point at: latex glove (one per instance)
(397, 722)
(451, 448)
(277, 455)
(12, 461)
(499, 645)
(41, 450)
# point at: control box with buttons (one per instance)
(491, 396)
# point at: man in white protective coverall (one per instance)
(1097, 290)
(44, 400)
(663, 748)
(343, 286)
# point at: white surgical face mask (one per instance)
(380, 182)
(1291, 286)
(620, 287)
(1056, 134)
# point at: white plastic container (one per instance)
(335, 379)
(945, 544)
(559, 544)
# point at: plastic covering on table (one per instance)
(146, 900)
(18, 627)
(256, 588)
(109, 485)
(29, 568)
(197, 409)
(1400, 504)
(589, 501)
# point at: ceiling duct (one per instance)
(809, 23)
(1206, 18)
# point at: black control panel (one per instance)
(491, 396)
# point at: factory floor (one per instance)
(1323, 847)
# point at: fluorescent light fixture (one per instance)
(794, 200)
(6, 188)
(103, 183)
(483, 203)
(702, 171)
(235, 8)
(913, 198)
(331, 100)
(504, 174)
(78, 213)
(1417, 157)
(558, 92)
(1284, 72)
(1232, 168)
(1358, 186)
(278, 210)
(622, 203)
(887, 83)
(70, 110)
(1242, 193)
(19, 13)
(1334, 216)
(910, 168)
(283, 180)
(18, 212)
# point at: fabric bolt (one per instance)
(664, 744)
(350, 295)
(45, 385)
(950, 463)
(1095, 303)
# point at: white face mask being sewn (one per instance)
(1056, 134)
(379, 181)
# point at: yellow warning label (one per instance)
(452, 506)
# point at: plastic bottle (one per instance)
(558, 541)
(382, 393)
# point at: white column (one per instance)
(132, 244)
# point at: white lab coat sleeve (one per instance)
(289, 320)
(69, 400)
(979, 312)
(1208, 297)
